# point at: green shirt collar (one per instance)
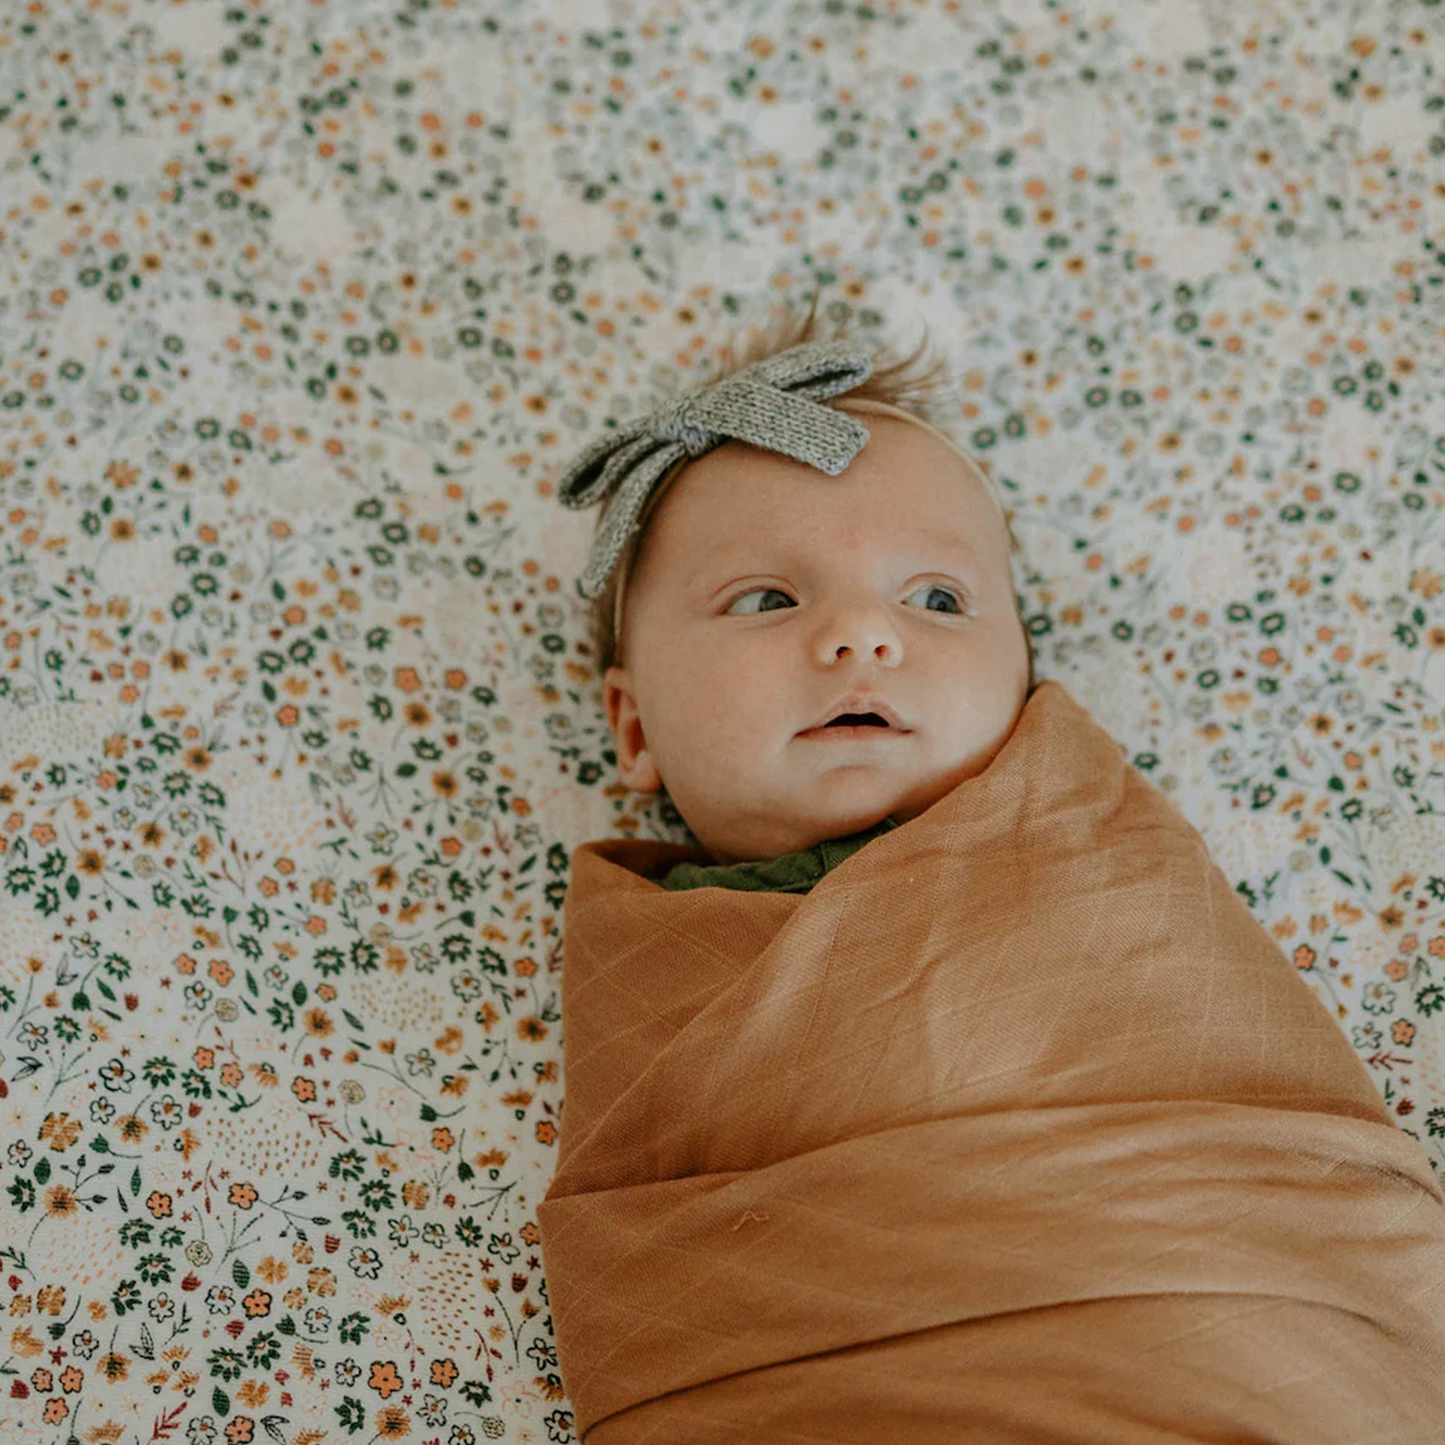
(792, 873)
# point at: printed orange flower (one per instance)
(59, 1200)
(384, 1378)
(132, 1128)
(61, 1130)
(159, 1204)
(392, 1423)
(321, 1281)
(257, 1304)
(253, 1393)
(55, 1410)
(272, 1269)
(71, 1379)
(444, 1373)
(304, 1088)
(241, 1430)
(243, 1196)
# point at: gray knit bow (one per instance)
(774, 404)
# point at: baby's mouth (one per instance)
(858, 712)
(857, 719)
(854, 727)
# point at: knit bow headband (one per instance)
(774, 404)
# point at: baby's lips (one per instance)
(862, 704)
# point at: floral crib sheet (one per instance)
(305, 307)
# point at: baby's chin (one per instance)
(839, 808)
(840, 817)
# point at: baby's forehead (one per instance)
(710, 547)
(903, 482)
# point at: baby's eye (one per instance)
(953, 600)
(758, 592)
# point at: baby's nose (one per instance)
(870, 636)
(881, 650)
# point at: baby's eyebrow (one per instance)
(950, 540)
(754, 547)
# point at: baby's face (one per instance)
(765, 592)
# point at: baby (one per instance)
(799, 658)
(948, 1091)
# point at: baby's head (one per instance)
(760, 595)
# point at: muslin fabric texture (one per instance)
(1017, 1127)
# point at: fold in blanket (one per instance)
(1017, 1128)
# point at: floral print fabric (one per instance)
(307, 305)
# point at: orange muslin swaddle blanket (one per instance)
(1017, 1128)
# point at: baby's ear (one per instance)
(634, 762)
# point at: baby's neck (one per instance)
(715, 860)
